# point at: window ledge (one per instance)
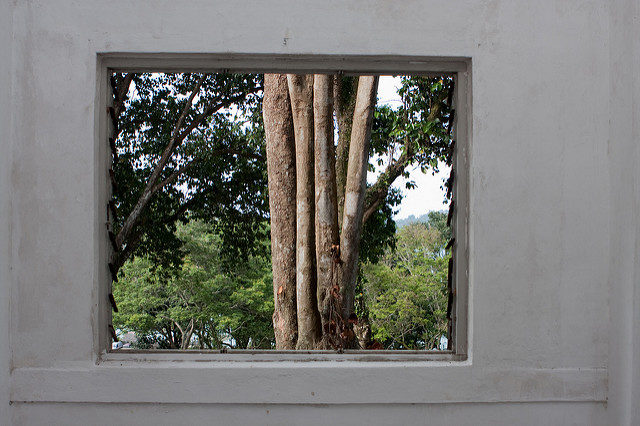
(328, 382)
(234, 355)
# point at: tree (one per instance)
(197, 304)
(178, 151)
(314, 308)
(405, 294)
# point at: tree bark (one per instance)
(327, 236)
(355, 189)
(344, 95)
(321, 272)
(281, 169)
(301, 95)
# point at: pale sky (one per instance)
(427, 195)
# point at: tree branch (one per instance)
(122, 91)
(132, 245)
(377, 193)
(173, 176)
(177, 173)
(168, 151)
(174, 142)
(151, 189)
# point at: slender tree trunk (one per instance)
(186, 336)
(327, 236)
(344, 95)
(281, 169)
(355, 189)
(301, 94)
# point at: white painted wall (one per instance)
(554, 229)
(624, 164)
(5, 204)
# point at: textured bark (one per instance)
(321, 271)
(355, 188)
(345, 89)
(301, 95)
(327, 235)
(281, 168)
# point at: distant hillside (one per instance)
(413, 219)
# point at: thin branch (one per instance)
(377, 193)
(168, 151)
(173, 176)
(177, 173)
(173, 143)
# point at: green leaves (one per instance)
(420, 124)
(231, 309)
(217, 174)
(405, 294)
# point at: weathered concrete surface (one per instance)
(624, 164)
(554, 228)
(5, 203)
(533, 414)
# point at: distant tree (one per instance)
(198, 304)
(405, 294)
(438, 220)
(434, 218)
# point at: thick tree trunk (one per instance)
(281, 168)
(344, 95)
(301, 95)
(327, 236)
(314, 283)
(355, 189)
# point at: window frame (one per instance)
(459, 67)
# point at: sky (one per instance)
(427, 195)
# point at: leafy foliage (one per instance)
(420, 127)
(197, 304)
(379, 232)
(405, 294)
(217, 174)
(416, 134)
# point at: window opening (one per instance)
(279, 211)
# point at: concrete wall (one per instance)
(624, 165)
(554, 229)
(5, 202)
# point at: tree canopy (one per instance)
(214, 172)
(199, 304)
(405, 293)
